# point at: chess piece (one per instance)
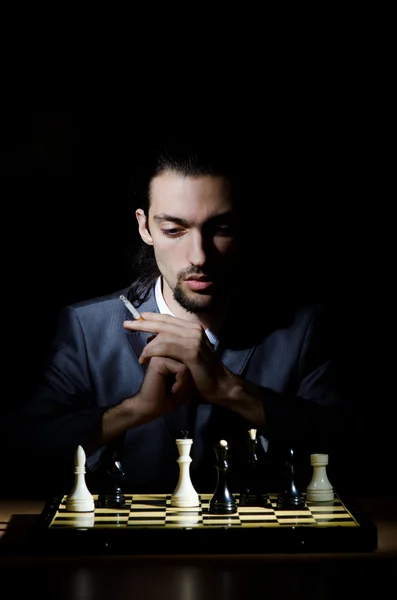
(80, 499)
(82, 520)
(114, 478)
(184, 493)
(222, 501)
(291, 496)
(319, 488)
(252, 493)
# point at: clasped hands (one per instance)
(181, 349)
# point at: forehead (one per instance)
(200, 197)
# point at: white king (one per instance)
(184, 494)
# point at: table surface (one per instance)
(193, 577)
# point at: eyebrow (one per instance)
(165, 217)
(186, 223)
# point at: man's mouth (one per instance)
(198, 283)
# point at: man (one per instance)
(211, 357)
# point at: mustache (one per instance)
(192, 271)
(213, 274)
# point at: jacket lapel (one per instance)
(137, 339)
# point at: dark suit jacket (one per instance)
(93, 364)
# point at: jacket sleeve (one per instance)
(315, 413)
(42, 434)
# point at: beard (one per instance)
(200, 302)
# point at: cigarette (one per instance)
(136, 314)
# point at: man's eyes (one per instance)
(222, 230)
(172, 232)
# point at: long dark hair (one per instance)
(189, 158)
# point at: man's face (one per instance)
(192, 227)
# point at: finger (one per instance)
(168, 327)
(162, 318)
(170, 348)
(166, 366)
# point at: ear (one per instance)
(142, 228)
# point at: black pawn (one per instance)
(291, 497)
(222, 501)
(252, 493)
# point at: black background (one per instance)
(68, 231)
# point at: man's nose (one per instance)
(197, 250)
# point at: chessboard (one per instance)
(148, 524)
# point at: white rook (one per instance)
(184, 493)
(319, 488)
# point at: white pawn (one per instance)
(319, 488)
(184, 493)
(80, 499)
